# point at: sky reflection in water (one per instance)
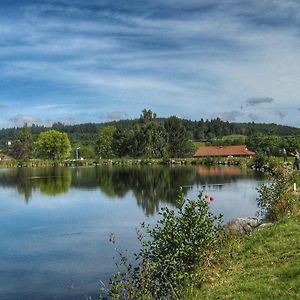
(55, 222)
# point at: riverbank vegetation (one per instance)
(199, 130)
(189, 255)
(150, 137)
(169, 252)
(264, 265)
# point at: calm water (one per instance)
(55, 222)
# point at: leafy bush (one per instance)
(166, 262)
(275, 199)
(260, 161)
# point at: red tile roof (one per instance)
(239, 150)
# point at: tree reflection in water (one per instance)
(150, 185)
(54, 182)
(49, 181)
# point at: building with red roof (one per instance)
(224, 151)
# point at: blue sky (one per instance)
(80, 61)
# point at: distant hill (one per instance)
(199, 130)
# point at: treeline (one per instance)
(272, 144)
(150, 137)
(147, 137)
(198, 130)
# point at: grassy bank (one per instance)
(187, 248)
(265, 265)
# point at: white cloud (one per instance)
(201, 63)
(20, 120)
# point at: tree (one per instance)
(104, 145)
(179, 143)
(23, 146)
(122, 142)
(53, 145)
(150, 136)
(261, 142)
(291, 144)
(85, 151)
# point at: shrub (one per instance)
(275, 199)
(260, 161)
(167, 259)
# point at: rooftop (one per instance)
(238, 150)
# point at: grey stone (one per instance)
(242, 226)
(264, 225)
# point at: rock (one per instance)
(242, 226)
(264, 225)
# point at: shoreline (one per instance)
(36, 163)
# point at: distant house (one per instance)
(2, 155)
(224, 151)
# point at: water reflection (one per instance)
(149, 185)
(61, 235)
(54, 182)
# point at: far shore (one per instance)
(232, 161)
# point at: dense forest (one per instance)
(150, 136)
(199, 130)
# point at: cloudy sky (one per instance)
(93, 60)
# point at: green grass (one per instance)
(290, 159)
(265, 265)
(224, 138)
(234, 137)
(199, 144)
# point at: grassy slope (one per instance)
(233, 137)
(199, 144)
(266, 266)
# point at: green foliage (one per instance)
(123, 141)
(104, 145)
(179, 242)
(22, 148)
(59, 181)
(150, 137)
(229, 140)
(84, 151)
(292, 143)
(179, 141)
(53, 145)
(260, 161)
(260, 143)
(275, 200)
(264, 265)
(199, 130)
(17, 150)
(199, 144)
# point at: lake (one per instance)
(55, 222)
